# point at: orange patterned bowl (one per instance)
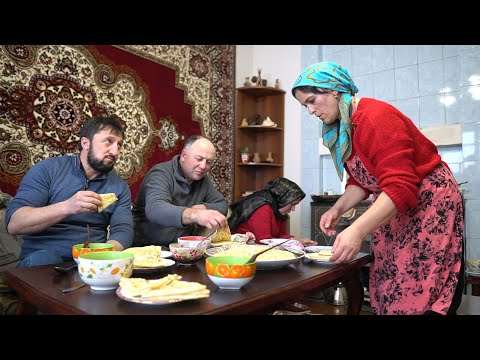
(78, 249)
(230, 272)
(104, 270)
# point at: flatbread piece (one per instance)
(107, 200)
(223, 234)
(322, 255)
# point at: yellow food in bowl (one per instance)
(272, 255)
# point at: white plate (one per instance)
(264, 265)
(165, 254)
(292, 244)
(312, 249)
(151, 301)
(276, 241)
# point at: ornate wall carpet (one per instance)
(162, 94)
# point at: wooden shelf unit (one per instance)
(265, 101)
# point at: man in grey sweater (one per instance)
(177, 195)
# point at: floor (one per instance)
(316, 305)
(320, 307)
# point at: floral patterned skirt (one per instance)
(418, 254)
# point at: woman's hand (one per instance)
(328, 221)
(347, 245)
(250, 237)
(307, 242)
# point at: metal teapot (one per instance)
(336, 295)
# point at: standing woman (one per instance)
(265, 212)
(416, 217)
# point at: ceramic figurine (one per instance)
(268, 122)
(269, 158)
(245, 154)
(245, 158)
(259, 78)
(277, 83)
(244, 122)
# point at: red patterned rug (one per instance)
(162, 93)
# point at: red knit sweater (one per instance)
(393, 150)
(264, 225)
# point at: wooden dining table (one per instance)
(40, 289)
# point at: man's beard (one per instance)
(98, 165)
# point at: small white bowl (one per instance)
(230, 283)
(103, 270)
(192, 241)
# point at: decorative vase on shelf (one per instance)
(244, 122)
(245, 157)
(245, 154)
(269, 158)
(256, 158)
(247, 82)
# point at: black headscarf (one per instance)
(277, 193)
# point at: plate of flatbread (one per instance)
(167, 290)
(319, 254)
(150, 259)
(107, 200)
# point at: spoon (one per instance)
(73, 288)
(208, 237)
(63, 269)
(252, 259)
(85, 244)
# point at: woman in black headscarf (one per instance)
(265, 212)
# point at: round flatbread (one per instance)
(147, 256)
(322, 255)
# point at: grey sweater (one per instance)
(163, 196)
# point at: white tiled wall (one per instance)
(434, 85)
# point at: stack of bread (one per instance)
(168, 289)
(147, 257)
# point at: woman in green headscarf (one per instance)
(416, 216)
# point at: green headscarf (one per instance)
(337, 137)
